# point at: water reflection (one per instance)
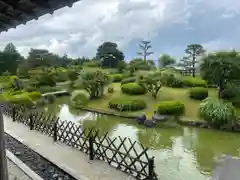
(180, 153)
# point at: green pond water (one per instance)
(180, 153)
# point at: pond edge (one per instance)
(200, 124)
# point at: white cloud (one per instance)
(79, 30)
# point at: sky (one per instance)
(169, 24)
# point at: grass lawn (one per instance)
(191, 106)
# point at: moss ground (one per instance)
(191, 106)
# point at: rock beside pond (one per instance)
(149, 123)
(141, 119)
(158, 117)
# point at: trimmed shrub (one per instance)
(122, 104)
(34, 95)
(45, 79)
(61, 77)
(110, 90)
(20, 99)
(171, 79)
(116, 77)
(230, 91)
(194, 82)
(46, 89)
(30, 88)
(80, 98)
(236, 102)
(173, 107)
(198, 93)
(128, 80)
(216, 112)
(133, 89)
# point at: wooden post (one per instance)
(3, 160)
(91, 148)
(55, 131)
(14, 113)
(151, 168)
(31, 122)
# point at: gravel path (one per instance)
(15, 171)
(36, 162)
(69, 159)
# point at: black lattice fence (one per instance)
(121, 153)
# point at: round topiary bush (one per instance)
(236, 102)
(198, 93)
(122, 104)
(173, 107)
(34, 95)
(194, 82)
(80, 98)
(228, 93)
(133, 89)
(129, 80)
(116, 77)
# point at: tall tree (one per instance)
(193, 51)
(165, 60)
(145, 46)
(152, 83)
(109, 55)
(9, 59)
(221, 68)
(10, 48)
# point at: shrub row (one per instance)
(116, 77)
(80, 98)
(128, 80)
(122, 104)
(194, 82)
(133, 89)
(173, 79)
(198, 93)
(173, 107)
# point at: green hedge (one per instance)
(122, 104)
(46, 89)
(198, 93)
(20, 99)
(34, 95)
(80, 98)
(128, 80)
(194, 82)
(236, 102)
(116, 77)
(133, 89)
(171, 108)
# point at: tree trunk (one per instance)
(193, 66)
(220, 88)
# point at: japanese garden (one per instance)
(187, 111)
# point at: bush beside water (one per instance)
(216, 112)
(122, 104)
(171, 108)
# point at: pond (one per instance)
(180, 153)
